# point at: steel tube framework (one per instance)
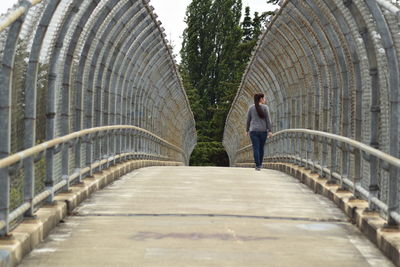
(330, 72)
(85, 84)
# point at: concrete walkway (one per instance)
(182, 216)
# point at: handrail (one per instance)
(61, 161)
(285, 146)
(8, 161)
(16, 15)
(78, 174)
(366, 148)
(47, 192)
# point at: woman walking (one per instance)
(259, 126)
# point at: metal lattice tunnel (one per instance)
(330, 66)
(97, 82)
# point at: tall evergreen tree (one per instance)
(247, 25)
(216, 49)
(212, 34)
(257, 26)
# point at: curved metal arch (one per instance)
(344, 60)
(148, 95)
(278, 69)
(304, 63)
(317, 47)
(116, 80)
(161, 80)
(157, 61)
(83, 43)
(6, 70)
(129, 22)
(337, 11)
(327, 77)
(291, 79)
(315, 83)
(268, 75)
(134, 79)
(394, 76)
(90, 52)
(113, 76)
(88, 47)
(67, 62)
(103, 76)
(133, 69)
(127, 61)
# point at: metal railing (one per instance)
(73, 65)
(319, 152)
(118, 143)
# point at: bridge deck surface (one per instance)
(190, 216)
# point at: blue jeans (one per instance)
(258, 140)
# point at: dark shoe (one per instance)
(258, 169)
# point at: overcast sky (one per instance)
(173, 21)
(172, 13)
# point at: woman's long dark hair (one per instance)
(257, 98)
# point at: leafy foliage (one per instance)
(209, 154)
(216, 48)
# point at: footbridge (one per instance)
(90, 93)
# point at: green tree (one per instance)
(216, 48)
(257, 26)
(247, 25)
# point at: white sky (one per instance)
(5, 4)
(172, 13)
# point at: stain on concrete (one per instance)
(144, 236)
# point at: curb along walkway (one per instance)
(195, 216)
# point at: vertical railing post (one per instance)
(308, 151)
(313, 148)
(89, 152)
(29, 184)
(357, 170)
(78, 158)
(286, 149)
(393, 203)
(135, 142)
(345, 163)
(293, 147)
(49, 181)
(126, 140)
(30, 134)
(112, 144)
(373, 187)
(316, 148)
(4, 200)
(97, 147)
(282, 144)
(324, 162)
(65, 165)
(333, 166)
(106, 145)
(119, 141)
(303, 152)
